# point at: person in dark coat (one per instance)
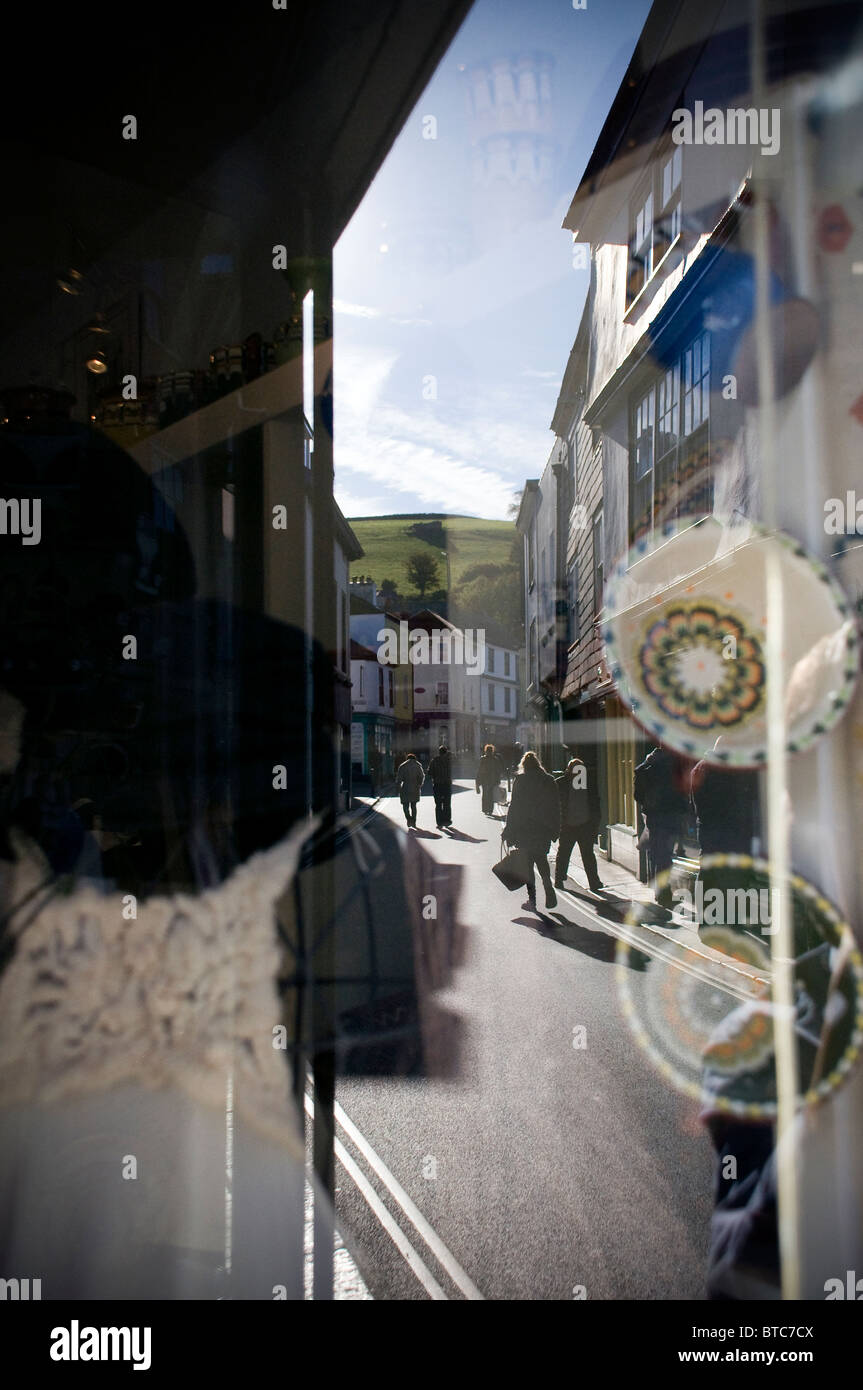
(375, 768)
(726, 807)
(659, 790)
(579, 821)
(440, 771)
(409, 780)
(489, 775)
(533, 821)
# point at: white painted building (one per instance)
(542, 519)
(446, 694)
(499, 702)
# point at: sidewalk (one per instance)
(676, 937)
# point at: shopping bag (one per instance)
(499, 796)
(513, 869)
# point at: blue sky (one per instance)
(456, 304)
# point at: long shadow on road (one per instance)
(596, 944)
(615, 909)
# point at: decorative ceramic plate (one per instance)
(706, 1020)
(685, 626)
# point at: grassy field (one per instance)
(387, 543)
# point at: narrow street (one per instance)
(555, 1166)
(464, 397)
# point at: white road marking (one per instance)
(462, 1281)
(393, 1230)
(626, 934)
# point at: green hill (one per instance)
(388, 541)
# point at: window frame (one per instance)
(687, 382)
(597, 529)
(645, 256)
(572, 578)
(572, 459)
(640, 251)
(670, 207)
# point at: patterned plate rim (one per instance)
(817, 723)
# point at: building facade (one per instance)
(686, 405)
(373, 715)
(368, 625)
(499, 696)
(590, 710)
(346, 548)
(543, 512)
(650, 414)
(446, 694)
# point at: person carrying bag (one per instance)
(532, 822)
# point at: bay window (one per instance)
(669, 452)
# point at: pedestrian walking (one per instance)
(533, 821)
(579, 822)
(375, 765)
(409, 780)
(489, 775)
(726, 806)
(440, 771)
(659, 791)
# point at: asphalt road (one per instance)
(543, 1168)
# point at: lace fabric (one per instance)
(179, 996)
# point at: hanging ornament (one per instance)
(685, 625)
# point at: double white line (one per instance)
(409, 1210)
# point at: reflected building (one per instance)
(511, 130)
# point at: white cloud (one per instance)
(435, 456)
(361, 504)
(434, 479)
(358, 311)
